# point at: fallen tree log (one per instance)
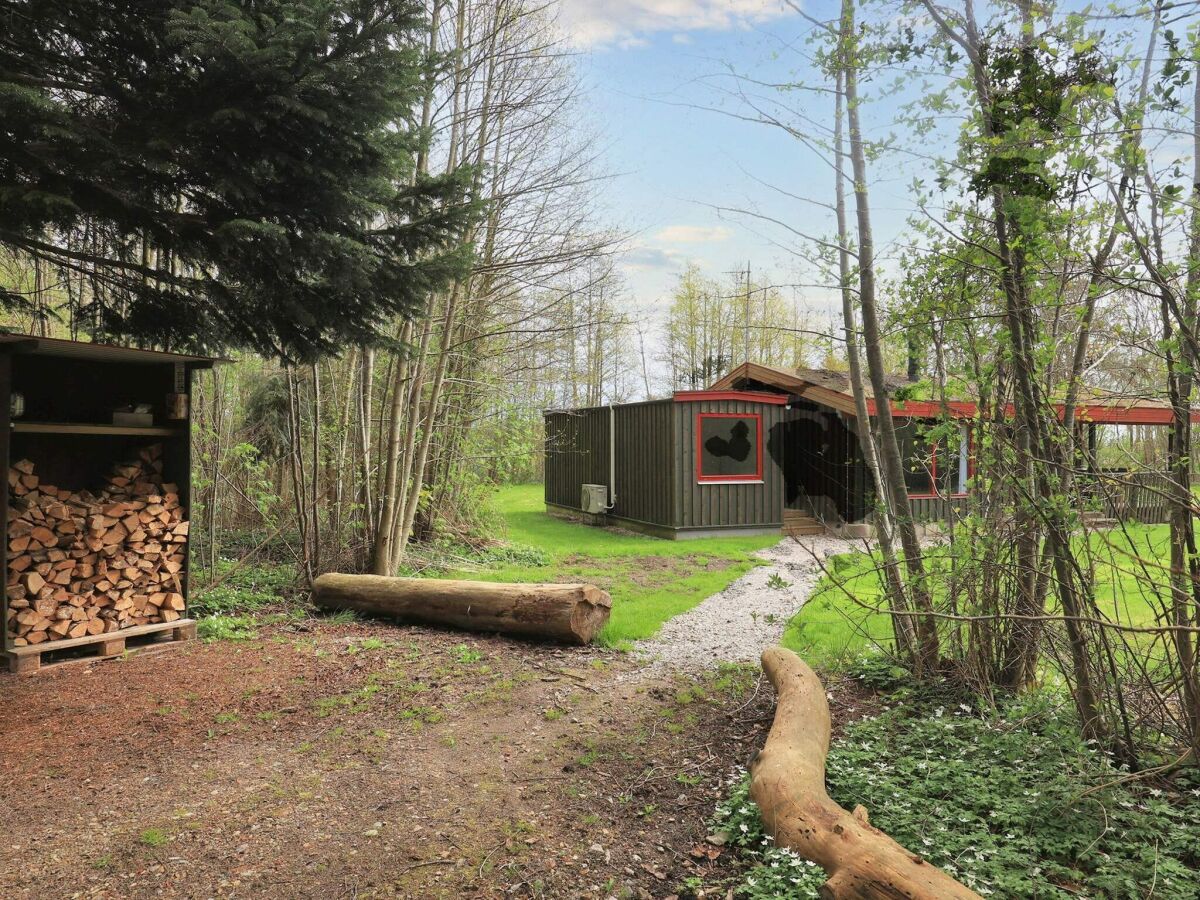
(570, 613)
(787, 781)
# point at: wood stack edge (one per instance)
(89, 565)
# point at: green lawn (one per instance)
(650, 580)
(834, 627)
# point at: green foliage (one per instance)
(1000, 803)
(366, 644)
(1032, 86)
(880, 672)
(244, 590)
(465, 655)
(838, 623)
(776, 871)
(842, 622)
(227, 628)
(266, 413)
(265, 150)
(513, 555)
(153, 837)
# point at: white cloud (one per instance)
(693, 234)
(645, 258)
(625, 23)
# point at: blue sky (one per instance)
(648, 65)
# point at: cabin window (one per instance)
(728, 447)
(932, 467)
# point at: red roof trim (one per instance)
(1089, 413)
(925, 409)
(746, 396)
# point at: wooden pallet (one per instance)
(27, 660)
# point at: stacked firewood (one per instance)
(87, 564)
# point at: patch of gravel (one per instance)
(736, 624)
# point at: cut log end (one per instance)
(590, 613)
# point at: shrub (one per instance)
(227, 628)
(245, 590)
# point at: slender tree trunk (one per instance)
(891, 463)
(365, 429)
(901, 625)
(296, 459)
(315, 514)
(415, 467)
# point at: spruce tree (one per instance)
(226, 172)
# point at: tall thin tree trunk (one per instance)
(315, 487)
(891, 463)
(902, 626)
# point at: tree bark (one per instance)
(788, 784)
(901, 625)
(570, 613)
(927, 657)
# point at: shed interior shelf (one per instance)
(85, 428)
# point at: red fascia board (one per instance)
(1126, 415)
(745, 396)
(1094, 414)
(925, 409)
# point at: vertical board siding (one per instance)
(577, 447)
(936, 509)
(708, 505)
(644, 477)
(576, 453)
(656, 467)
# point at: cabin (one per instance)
(767, 450)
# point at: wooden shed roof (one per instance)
(44, 346)
(829, 388)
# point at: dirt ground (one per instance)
(365, 760)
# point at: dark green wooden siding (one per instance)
(645, 486)
(577, 447)
(656, 480)
(576, 453)
(700, 505)
(936, 509)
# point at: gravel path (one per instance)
(736, 624)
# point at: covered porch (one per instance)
(829, 487)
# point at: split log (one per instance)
(787, 781)
(570, 613)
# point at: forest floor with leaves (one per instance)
(355, 759)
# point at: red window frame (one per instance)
(932, 470)
(935, 494)
(728, 479)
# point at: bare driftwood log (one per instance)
(570, 613)
(787, 781)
